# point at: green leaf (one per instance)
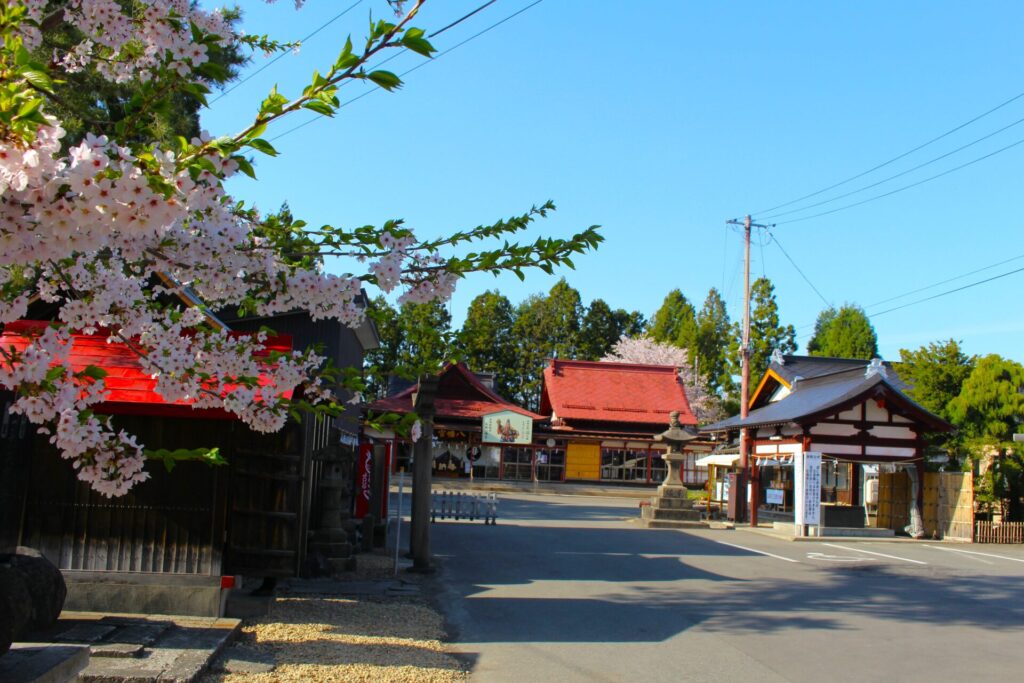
(261, 145)
(385, 79)
(39, 79)
(245, 167)
(93, 372)
(319, 107)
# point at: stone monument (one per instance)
(672, 507)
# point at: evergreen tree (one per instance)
(486, 339)
(846, 333)
(767, 333)
(602, 327)
(936, 374)
(426, 338)
(713, 339)
(675, 322)
(545, 327)
(987, 413)
(380, 363)
(414, 339)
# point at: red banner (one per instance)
(364, 479)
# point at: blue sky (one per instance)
(659, 121)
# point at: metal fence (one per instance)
(464, 506)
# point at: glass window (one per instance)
(551, 463)
(622, 464)
(518, 463)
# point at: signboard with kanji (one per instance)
(507, 426)
(807, 488)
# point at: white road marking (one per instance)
(837, 558)
(974, 552)
(759, 552)
(868, 552)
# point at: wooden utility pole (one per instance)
(423, 457)
(745, 464)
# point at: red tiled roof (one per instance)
(460, 394)
(614, 392)
(130, 389)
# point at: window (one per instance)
(518, 463)
(551, 462)
(623, 464)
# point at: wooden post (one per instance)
(419, 529)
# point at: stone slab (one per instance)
(43, 663)
(86, 633)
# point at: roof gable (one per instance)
(614, 392)
(813, 399)
(460, 394)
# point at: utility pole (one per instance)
(745, 464)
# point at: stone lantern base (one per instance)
(672, 507)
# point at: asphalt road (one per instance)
(567, 589)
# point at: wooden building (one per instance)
(608, 414)
(173, 542)
(855, 413)
(472, 432)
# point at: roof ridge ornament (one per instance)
(876, 367)
(777, 357)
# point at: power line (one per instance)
(946, 281)
(905, 187)
(462, 18)
(418, 66)
(946, 293)
(898, 175)
(894, 159)
(802, 274)
(927, 287)
(281, 55)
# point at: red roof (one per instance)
(614, 392)
(130, 389)
(460, 394)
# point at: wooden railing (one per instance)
(998, 532)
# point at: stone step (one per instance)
(673, 524)
(675, 515)
(672, 504)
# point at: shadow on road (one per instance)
(653, 591)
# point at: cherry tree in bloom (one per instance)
(644, 350)
(104, 227)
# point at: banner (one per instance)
(807, 488)
(364, 480)
(507, 426)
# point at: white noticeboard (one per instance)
(773, 496)
(807, 488)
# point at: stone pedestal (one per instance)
(671, 509)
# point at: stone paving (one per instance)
(132, 647)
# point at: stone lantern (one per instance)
(672, 507)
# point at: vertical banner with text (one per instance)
(807, 488)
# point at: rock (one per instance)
(15, 605)
(45, 584)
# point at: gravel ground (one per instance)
(321, 638)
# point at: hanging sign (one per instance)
(364, 480)
(807, 488)
(507, 426)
